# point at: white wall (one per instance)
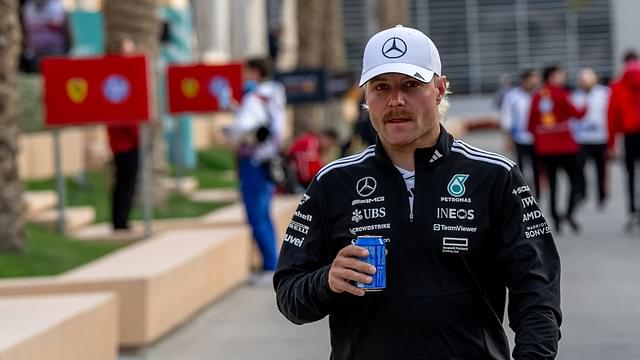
(625, 25)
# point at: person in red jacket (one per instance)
(624, 117)
(124, 143)
(551, 109)
(306, 153)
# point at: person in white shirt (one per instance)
(257, 131)
(591, 132)
(514, 118)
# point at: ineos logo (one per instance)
(366, 186)
(394, 48)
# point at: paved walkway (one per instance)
(601, 300)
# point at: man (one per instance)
(125, 146)
(124, 141)
(307, 151)
(460, 227)
(551, 110)
(257, 131)
(591, 132)
(514, 118)
(624, 117)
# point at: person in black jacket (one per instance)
(459, 223)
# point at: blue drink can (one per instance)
(377, 257)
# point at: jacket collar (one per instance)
(423, 157)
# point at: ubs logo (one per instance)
(372, 213)
(394, 48)
(366, 186)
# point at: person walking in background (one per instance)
(591, 132)
(514, 121)
(624, 117)
(257, 131)
(45, 31)
(459, 225)
(551, 109)
(124, 141)
(307, 152)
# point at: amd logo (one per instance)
(536, 214)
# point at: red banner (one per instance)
(203, 88)
(111, 89)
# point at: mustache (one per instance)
(396, 114)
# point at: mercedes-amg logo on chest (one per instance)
(366, 186)
(394, 48)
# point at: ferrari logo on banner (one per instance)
(77, 89)
(111, 89)
(190, 87)
(203, 88)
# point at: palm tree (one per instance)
(320, 45)
(137, 21)
(392, 12)
(12, 234)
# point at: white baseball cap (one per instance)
(401, 50)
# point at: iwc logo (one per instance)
(394, 48)
(456, 185)
(366, 186)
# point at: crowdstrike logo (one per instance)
(394, 48)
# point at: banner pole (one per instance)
(179, 154)
(146, 180)
(61, 187)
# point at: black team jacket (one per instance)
(475, 231)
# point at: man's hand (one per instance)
(346, 267)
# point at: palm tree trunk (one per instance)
(392, 12)
(12, 234)
(320, 45)
(137, 21)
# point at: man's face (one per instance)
(586, 80)
(559, 77)
(250, 74)
(531, 82)
(404, 111)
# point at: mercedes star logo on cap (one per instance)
(366, 186)
(394, 48)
